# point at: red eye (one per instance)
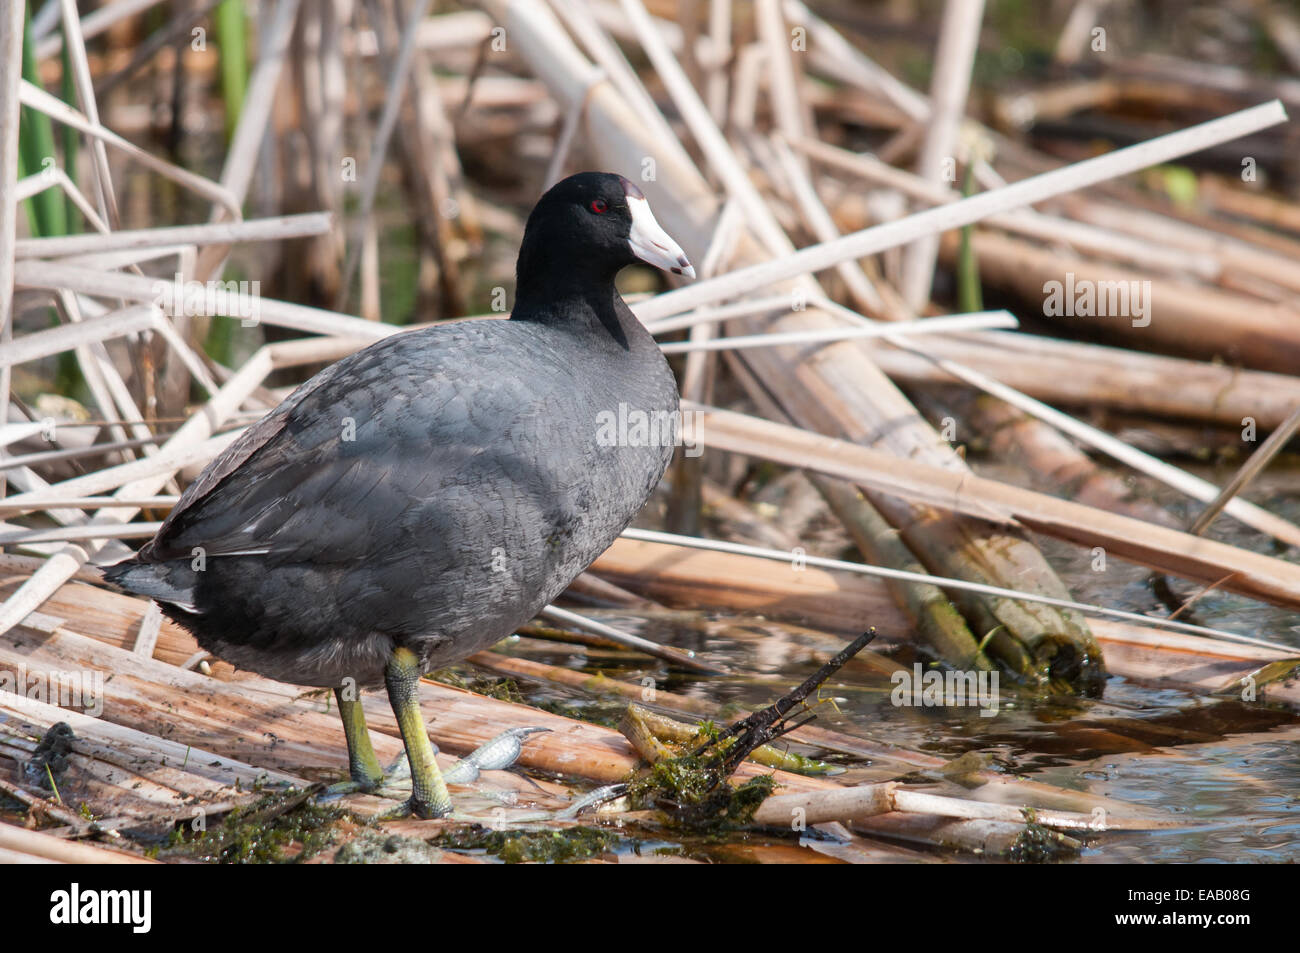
(599, 206)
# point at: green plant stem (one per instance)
(231, 44)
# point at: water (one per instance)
(1214, 761)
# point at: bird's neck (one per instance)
(583, 301)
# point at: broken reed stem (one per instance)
(935, 620)
(32, 273)
(1249, 470)
(851, 66)
(718, 152)
(40, 805)
(36, 98)
(870, 800)
(820, 807)
(1248, 513)
(89, 502)
(1096, 240)
(627, 639)
(983, 320)
(1144, 543)
(94, 23)
(252, 230)
(57, 178)
(953, 60)
(937, 624)
(49, 847)
(24, 536)
(75, 46)
(653, 536)
(944, 218)
(818, 219)
(579, 21)
(787, 109)
(397, 85)
(1067, 372)
(720, 36)
(254, 114)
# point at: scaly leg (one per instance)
(362, 763)
(429, 797)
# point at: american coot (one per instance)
(421, 499)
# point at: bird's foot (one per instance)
(394, 783)
(496, 754)
(424, 809)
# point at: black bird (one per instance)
(418, 501)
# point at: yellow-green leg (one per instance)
(429, 797)
(362, 763)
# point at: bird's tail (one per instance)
(172, 582)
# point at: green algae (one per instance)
(259, 833)
(531, 847)
(693, 795)
(502, 689)
(1037, 844)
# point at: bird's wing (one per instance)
(330, 474)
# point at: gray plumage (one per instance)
(434, 490)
